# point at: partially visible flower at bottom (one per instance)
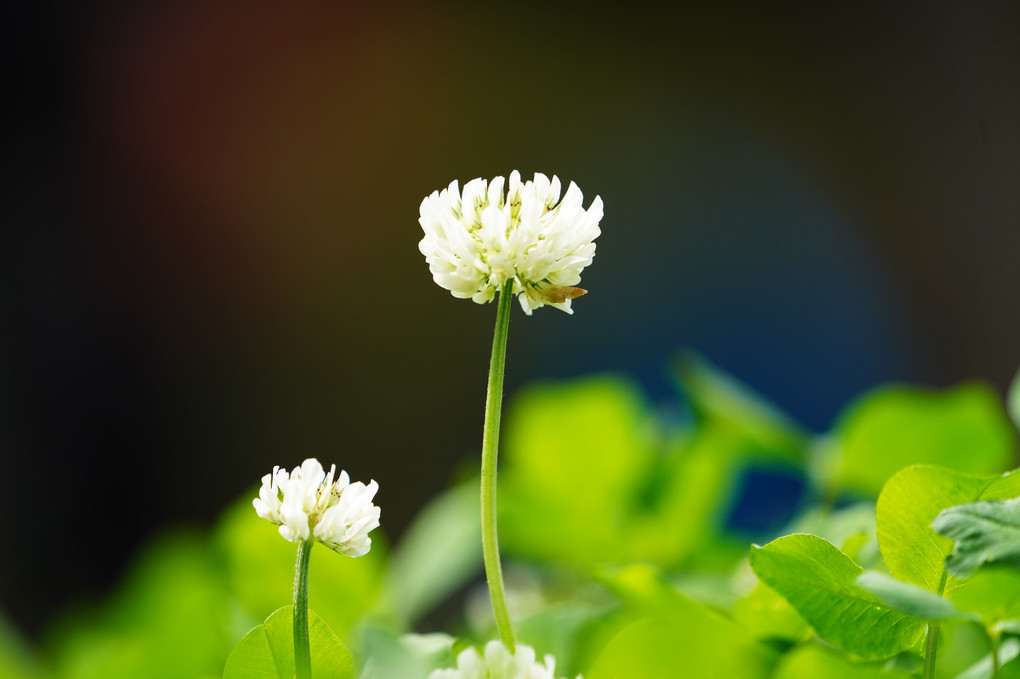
(499, 663)
(309, 503)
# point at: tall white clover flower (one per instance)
(527, 243)
(499, 663)
(479, 239)
(309, 503)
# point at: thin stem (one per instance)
(929, 650)
(993, 641)
(302, 650)
(490, 444)
(932, 643)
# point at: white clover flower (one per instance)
(478, 240)
(499, 663)
(308, 502)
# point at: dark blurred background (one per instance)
(211, 218)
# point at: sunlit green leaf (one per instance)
(439, 552)
(908, 504)
(814, 661)
(819, 581)
(963, 428)
(982, 532)
(267, 651)
(910, 599)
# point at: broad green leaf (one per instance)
(267, 651)
(439, 552)
(908, 504)
(767, 615)
(814, 661)
(819, 581)
(910, 599)
(259, 567)
(983, 532)
(1008, 651)
(1014, 400)
(964, 428)
(680, 646)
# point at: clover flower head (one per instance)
(479, 239)
(308, 503)
(497, 662)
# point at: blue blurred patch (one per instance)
(766, 500)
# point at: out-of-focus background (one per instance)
(211, 230)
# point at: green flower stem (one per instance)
(302, 651)
(931, 645)
(490, 444)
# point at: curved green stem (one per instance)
(490, 444)
(932, 643)
(302, 651)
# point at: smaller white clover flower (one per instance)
(309, 503)
(478, 240)
(498, 662)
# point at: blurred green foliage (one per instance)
(964, 428)
(624, 550)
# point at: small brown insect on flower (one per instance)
(558, 294)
